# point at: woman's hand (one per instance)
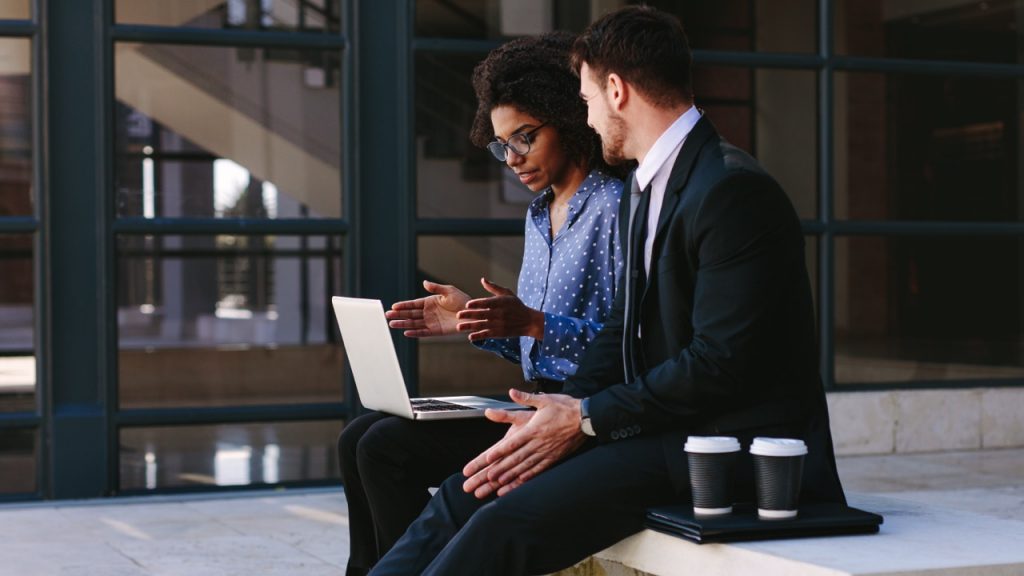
(500, 316)
(432, 315)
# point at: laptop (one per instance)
(378, 376)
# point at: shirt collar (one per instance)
(592, 182)
(668, 141)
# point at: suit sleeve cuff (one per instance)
(611, 423)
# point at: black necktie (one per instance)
(636, 278)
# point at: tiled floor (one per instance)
(305, 532)
(267, 534)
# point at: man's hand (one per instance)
(535, 442)
(500, 316)
(432, 315)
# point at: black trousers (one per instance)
(387, 466)
(586, 503)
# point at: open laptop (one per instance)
(378, 376)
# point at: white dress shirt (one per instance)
(657, 167)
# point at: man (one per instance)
(712, 333)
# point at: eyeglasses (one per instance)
(518, 143)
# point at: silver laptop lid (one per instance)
(371, 355)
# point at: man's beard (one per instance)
(613, 142)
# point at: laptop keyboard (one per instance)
(432, 405)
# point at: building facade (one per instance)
(184, 184)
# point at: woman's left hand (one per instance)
(500, 316)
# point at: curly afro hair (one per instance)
(533, 74)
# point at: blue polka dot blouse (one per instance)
(571, 278)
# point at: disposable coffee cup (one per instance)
(778, 468)
(711, 459)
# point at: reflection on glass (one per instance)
(450, 365)
(17, 360)
(455, 179)
(722, 25)
(949, 30)
(286, 15)
(770, 113)
(746, 25)
(15, 9)
(228, 454)
(228, 320)
(932, 308)
(773, 115)
(17, 461)
(216, 132)
(909, 146)
(15, 126)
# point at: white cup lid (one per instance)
(711, 444)
(778, 447)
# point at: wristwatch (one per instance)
(585, 425)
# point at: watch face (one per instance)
(586, 427)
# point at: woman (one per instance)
(531, 117)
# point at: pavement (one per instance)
(289, 532)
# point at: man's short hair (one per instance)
(646, 47)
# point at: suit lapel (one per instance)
(702, 131)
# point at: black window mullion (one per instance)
(469, 227)
(18, 28)
(19, 224)
(230, 414)
(237, 227)
(76, 410)
(924, 228)
(826, 185)
(40, 266)
(10, 420)
(219, 37)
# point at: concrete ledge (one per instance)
(915, 421)
(915, 540)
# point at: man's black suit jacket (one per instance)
(728, 343)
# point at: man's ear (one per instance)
(616, 91)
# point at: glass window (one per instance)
(227, 132)
(450, 365)
(493, 18)
(922, 147)
(455, 179)
(723, 25)
(215, 320)
(928, 308)
(773, 114)
(770, 113)
(15, 126)
(17, 461)
(17, 325)
(746, 25)
(286, 15)
(946, 30)
(228, 454)
(15, 9)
